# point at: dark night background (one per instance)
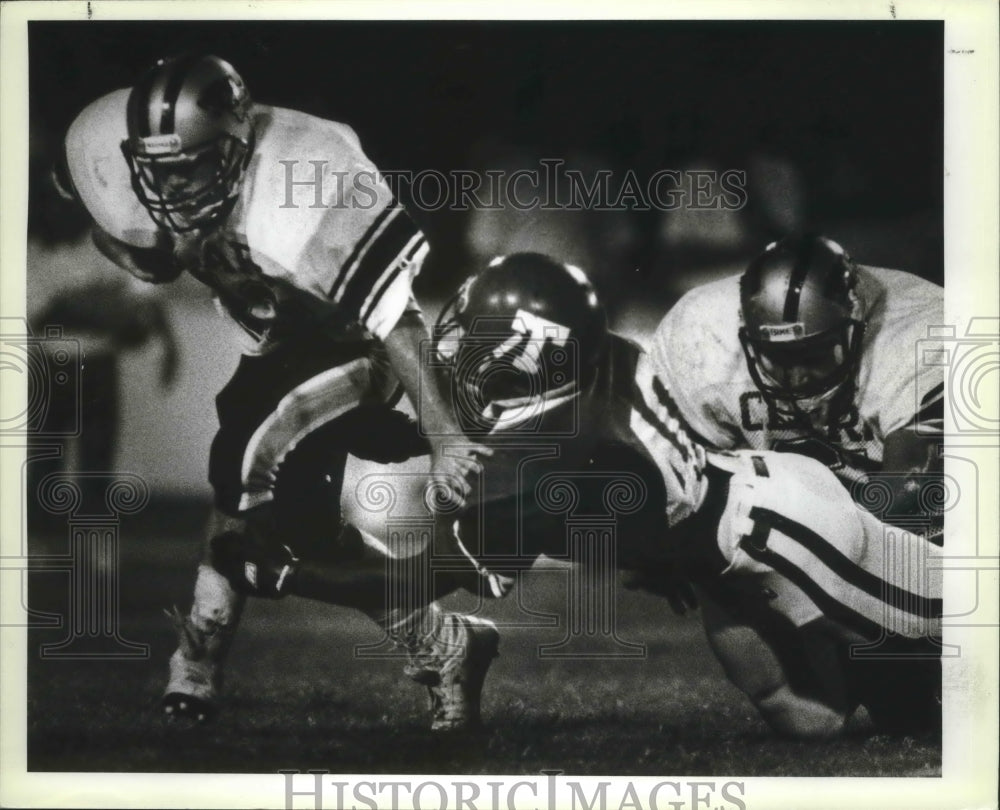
(856, 108)
(838, 126)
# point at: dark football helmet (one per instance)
(190, 139)
(802, 326)
(525, 332)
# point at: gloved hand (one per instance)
(252, 566)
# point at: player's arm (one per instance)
(911, 454)
(917, 457)
(752, 665)
(155, 265)
(375, 284)
(453, 456)
(912, 418)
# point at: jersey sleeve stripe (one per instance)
(377, 261)
(674, 410)
(937, 392)
(930, 417)
(411, 250)
(377, 226)
(845, 568)
(648, 416)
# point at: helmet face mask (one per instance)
(517, 339)
(190, 141)
(801, 332)
(190, 190)
(804, 373)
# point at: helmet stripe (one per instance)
(175, 81)
(139, 106)
(797, 278)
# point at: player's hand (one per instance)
(253, 566)
(453, 464)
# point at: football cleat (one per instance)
(177, 705)
(452, 663)
(195, 676)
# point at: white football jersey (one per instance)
(697, 353)
(313, 216)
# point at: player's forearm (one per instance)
(453, 457)
(155, 265)
(403, 345)
(911, 464)
(746, 658)
(753, 667)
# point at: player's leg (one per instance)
(797, 686)
(836, 572)
(295, 543)
(261, 388)
(205, 635)
(789, 522)
(898, 675)
(448, 653)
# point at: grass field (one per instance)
(298, 697)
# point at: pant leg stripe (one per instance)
(847, 569)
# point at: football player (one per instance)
(809, 352)
(812, 353)
(769, 534)
(283, 216)
(573, 411)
